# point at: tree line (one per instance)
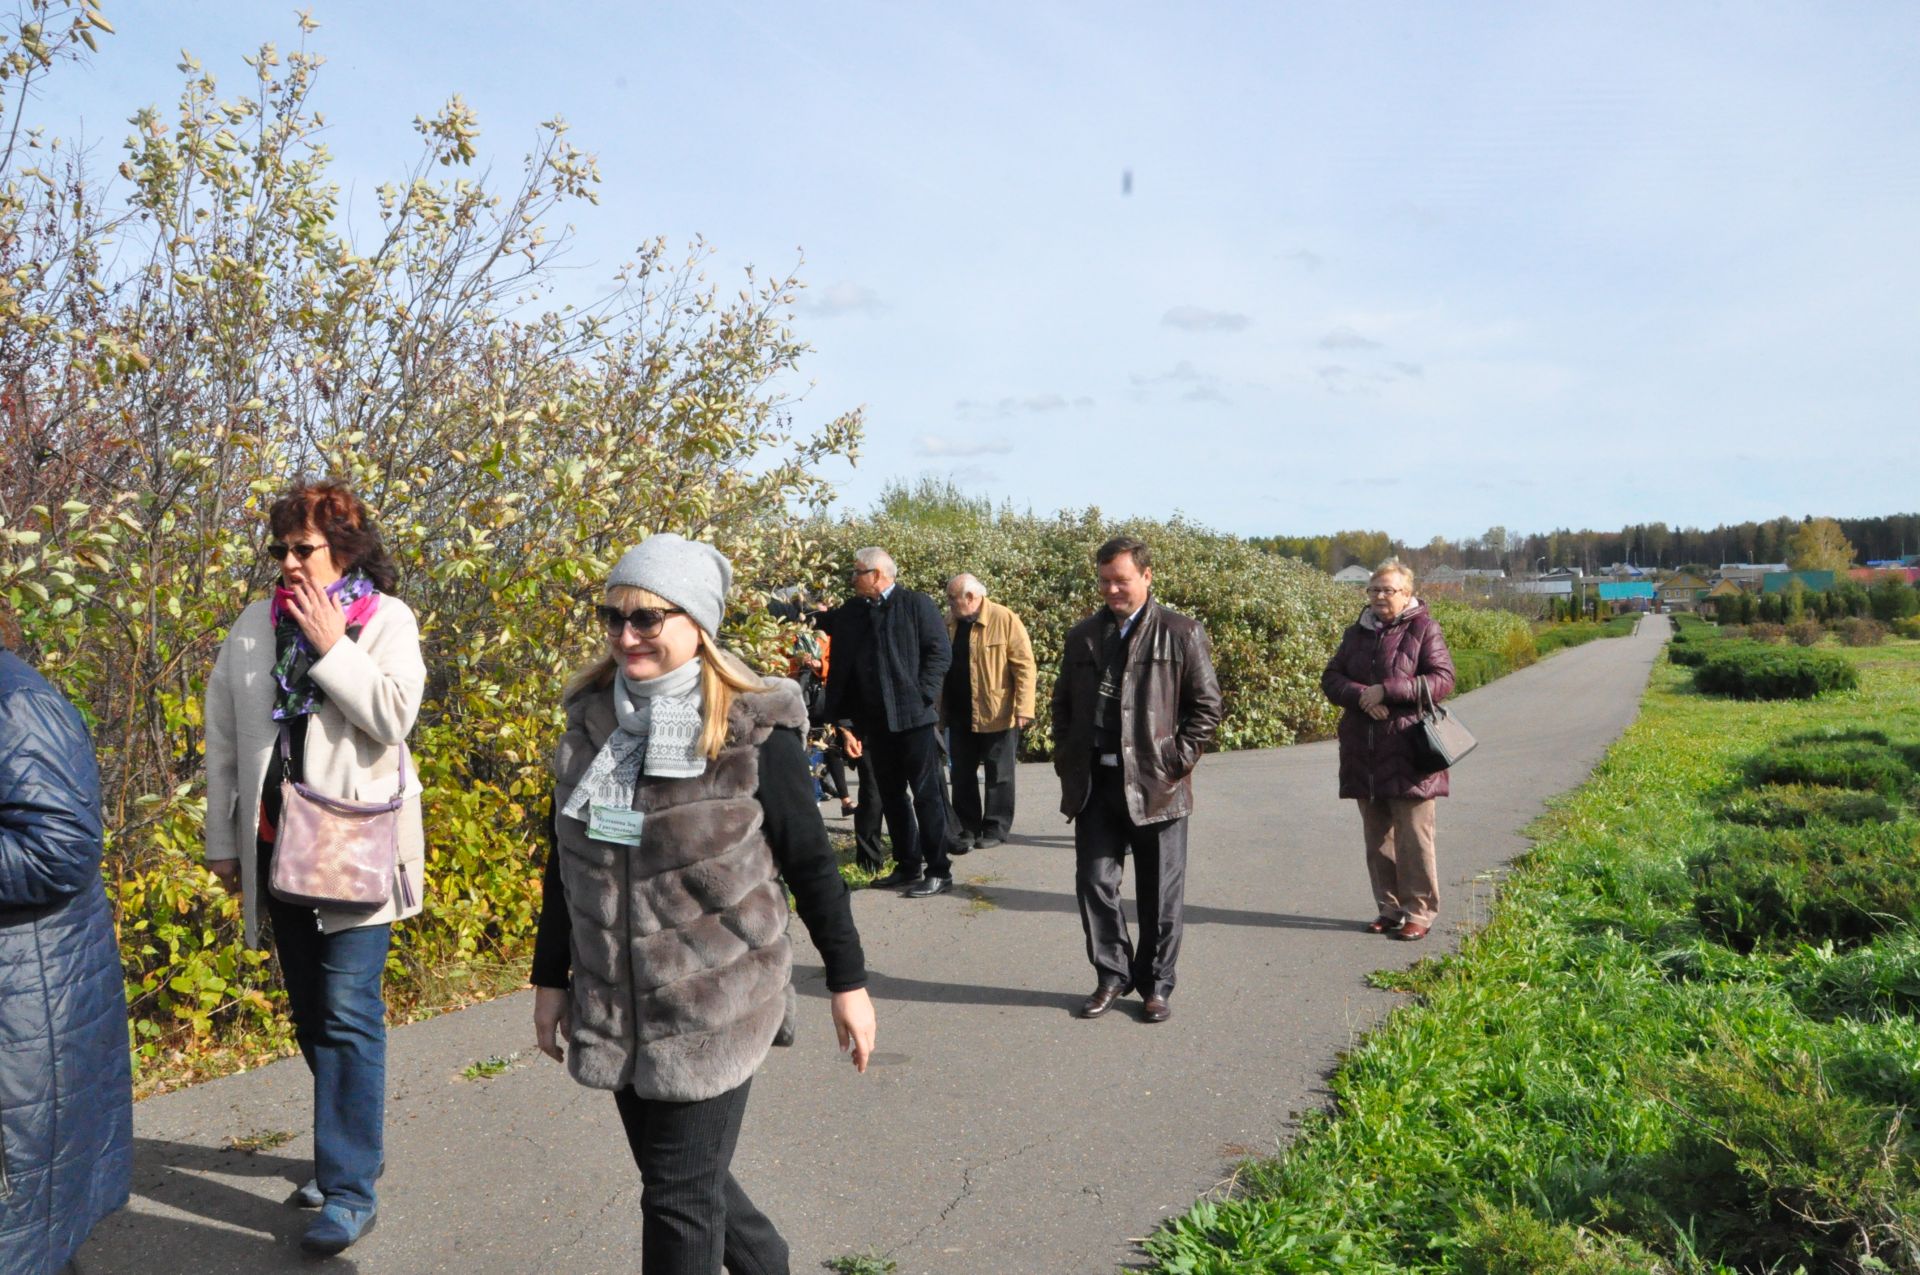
(1648, 544)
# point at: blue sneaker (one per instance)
(337, 1228)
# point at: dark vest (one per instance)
(681, 965)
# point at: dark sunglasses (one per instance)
(644, 621)
(277, 551)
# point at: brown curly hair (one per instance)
(330, 508)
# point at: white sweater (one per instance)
(373, 687)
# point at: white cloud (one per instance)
(940, 445)
(1195, 319)
(1197, 386)
(838, 299)
(1004, 408)
(1345, 338)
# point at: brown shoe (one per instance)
(1383, 924)
(1412, 932)
(1156, 1010)
(1102, 999)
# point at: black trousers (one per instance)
(997, 751)
(869, 842)
(913, 792)
(1103, 834)
(693, 1215)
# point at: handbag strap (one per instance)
(1428, 708)
(286, 759)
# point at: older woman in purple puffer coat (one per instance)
(1375, 676)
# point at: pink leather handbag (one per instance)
(332, 853)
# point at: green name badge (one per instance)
(611, 823)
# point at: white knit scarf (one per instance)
(658, 736)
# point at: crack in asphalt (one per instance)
(580, 1232)
(966, 1189)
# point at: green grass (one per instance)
(488, 1068)
(1594, 1084)
(861, 1264)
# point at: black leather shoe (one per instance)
(1156, 1010)
(989, 842)
(1102, 999)
(927, 887)
(897, 877)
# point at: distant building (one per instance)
(1717, 596)
(1550, 588)
(1682, 592)
(1812, 581)
(1874, 573)
(1748, 575)
(1627, 595)
(1355, 574)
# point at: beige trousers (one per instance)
(1400, 858)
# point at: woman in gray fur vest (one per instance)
(682, 798)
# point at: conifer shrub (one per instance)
(1861, 763)
(1743, 672)
(1797, 805)
(1824, 882)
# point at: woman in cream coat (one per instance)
(323, 681)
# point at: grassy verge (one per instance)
(1549, 638)
(1633, 1068)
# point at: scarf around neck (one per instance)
(658, 735)
(297, 694)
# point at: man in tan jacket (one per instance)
(988, 701)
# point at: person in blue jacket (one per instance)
(66, 1085)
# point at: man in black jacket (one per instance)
(890, 657)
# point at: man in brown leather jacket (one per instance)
(1133, 709)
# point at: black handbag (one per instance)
(1442, 739)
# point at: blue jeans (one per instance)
(340, 1021)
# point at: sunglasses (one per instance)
(644, 621)
(277, 551)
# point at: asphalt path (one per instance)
(995, 1132)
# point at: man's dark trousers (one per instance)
(1103, 834)
(906, 766)
(997, 750)
(869, 844)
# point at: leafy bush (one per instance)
(177, 350)
(1274, 621)
(1908, 626)
(1556, 637)
(1859, 631)
(1765, 631)
(1806, 632)
(1843, 883)
(1746, 672)
(1474, 669)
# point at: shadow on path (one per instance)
(226, 1228)
(1017, 900)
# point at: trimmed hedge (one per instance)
(1826, 882)
(1747, 672)
(1861, 765)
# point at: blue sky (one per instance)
(1421, 267)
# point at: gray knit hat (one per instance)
(694, 577)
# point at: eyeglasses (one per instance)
(644, 621)
(1379, 591)
(278, 550)
(857, 572)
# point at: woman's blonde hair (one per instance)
(1394, 567)
(722, 673)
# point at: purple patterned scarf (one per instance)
(293, 660)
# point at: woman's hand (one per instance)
(1379, 712)
(1373, 697)
(228, 870)
(850, 744)
(853, 1023)
(550, 1025)
(318, 615)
